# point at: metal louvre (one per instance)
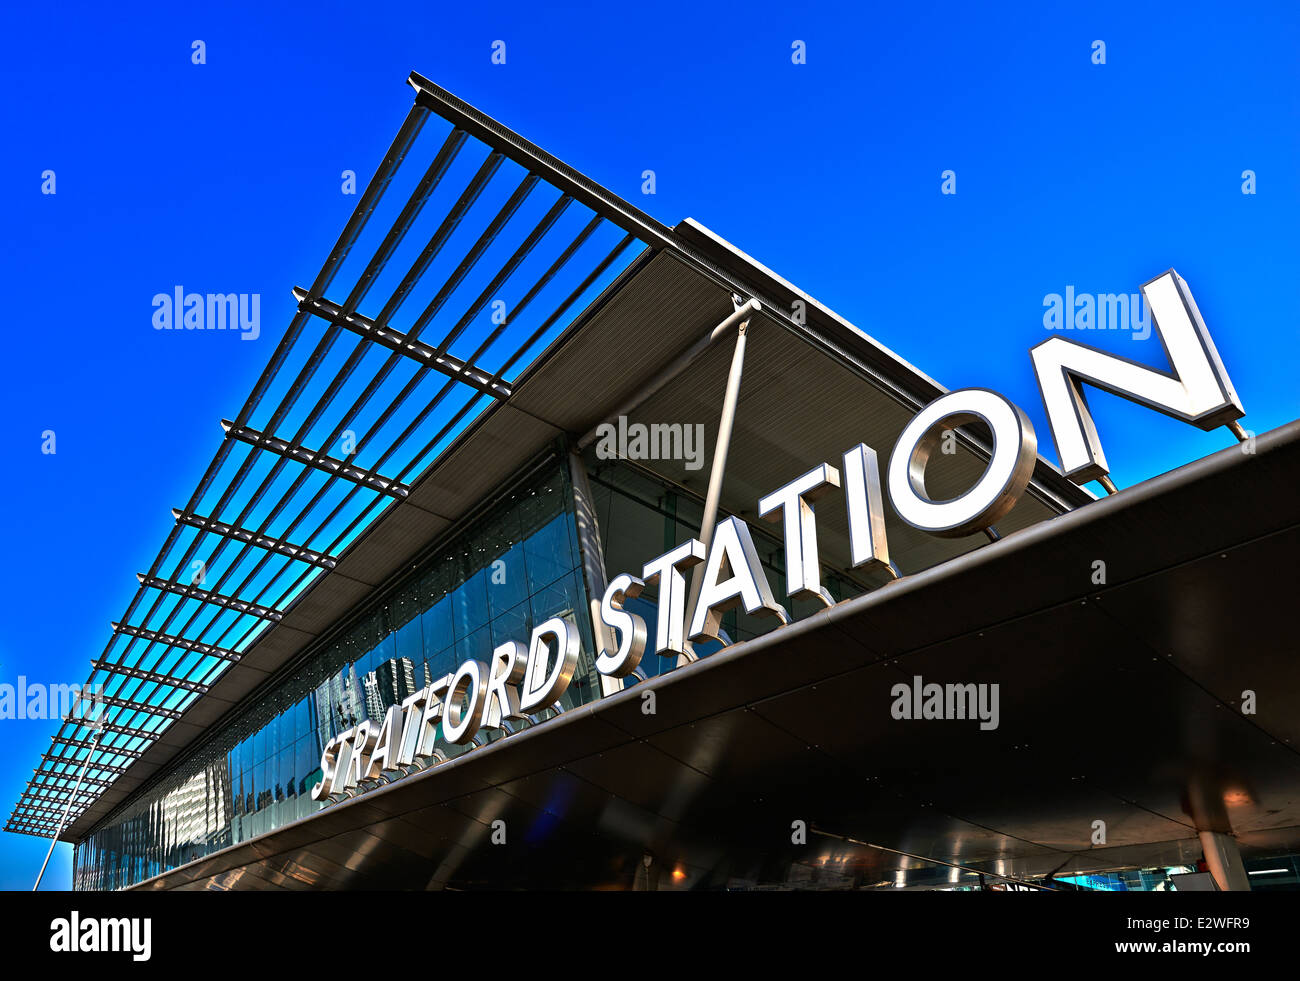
(499, 253)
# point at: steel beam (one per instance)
(126, 703)
(208, 596)
(37, 829)
(134, 754)
(424, 354)
(676, 366)
(50, 799)
(446, 228)
(508, 269)
(131, 731)
(717, 475)
(397, 151)
(46, 799)
(162, 679)
(537, 161)
(43, 827)
(546, 277)
(167, 639)
(40, 793)
(106, 767)
(277, 545)
(411, 210)
(48, 792)
(43, 817)
(568, 301)
(313, 458)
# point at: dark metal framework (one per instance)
(288, 492)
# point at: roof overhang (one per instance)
(812, 390)
(1119, 703)
(792, 414)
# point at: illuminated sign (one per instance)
(522, 681)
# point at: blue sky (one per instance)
(226, 177)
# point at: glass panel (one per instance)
(507, 580)
(410, 641)
(437, 627)
(549, 552)
(493, 582)
(476, 647)
(469, 605)
(514, 624)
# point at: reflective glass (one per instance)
(492, 581)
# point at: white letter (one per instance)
(388, 743)
(794, 503)
(542, 689)
(666, 571)
(746, 585)
(1197, 392)
(994, 494)
(868, 543)
(501, 703)
(460, 725)
(630, 627)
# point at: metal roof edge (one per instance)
(835, 329)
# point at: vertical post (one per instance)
(1224, 859)
(593, 561)
(94, 744)
(719, 470)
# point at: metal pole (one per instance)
(741, 314)
(94, 744)
(1224, 859)
(710, 518)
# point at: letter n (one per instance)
(1197, 391)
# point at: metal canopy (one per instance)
(364, 440)
(358, 401)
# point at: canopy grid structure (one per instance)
(503, 249)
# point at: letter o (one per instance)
(1015, 450)
(460, 725)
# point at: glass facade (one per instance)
(513, 567)
(506, 571)
(641, 517)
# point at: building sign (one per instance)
(522, 681)
(518, 683)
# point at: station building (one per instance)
(506, 388)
